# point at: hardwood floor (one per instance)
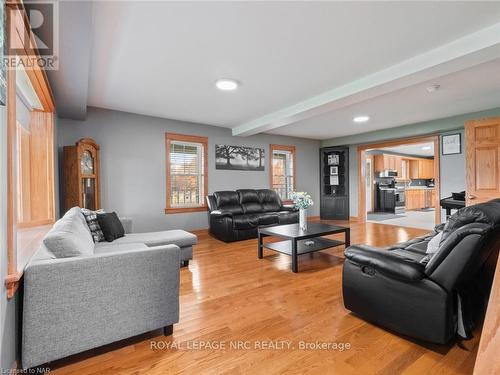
(230, 296)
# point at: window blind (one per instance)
(186, 174)
(282, 173)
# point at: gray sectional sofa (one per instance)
(99, 293)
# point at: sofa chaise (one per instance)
(237, 215)
(432, 297)
(96, 294)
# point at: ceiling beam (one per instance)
(473, 49)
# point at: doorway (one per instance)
(369, 183)
(399, 182)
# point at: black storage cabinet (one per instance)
(334, 197)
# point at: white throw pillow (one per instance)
(70, 236)
(433, 245)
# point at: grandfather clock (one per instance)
(81, 175)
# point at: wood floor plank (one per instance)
(228, 295)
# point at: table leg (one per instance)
(260, 246)
(295, 268)
(348, 237)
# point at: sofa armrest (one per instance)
(75, 304)
(220, 214)
(385, 262)
(127, 224)
(289, 207)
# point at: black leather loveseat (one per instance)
(430, 298)
(236, 215)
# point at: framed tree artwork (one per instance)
(239, 158)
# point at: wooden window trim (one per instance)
(18, 26)
(292, 150)
(185, 138)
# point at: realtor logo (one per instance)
(38, 44)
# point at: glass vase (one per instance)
(303, 219)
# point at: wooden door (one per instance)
(482, 138)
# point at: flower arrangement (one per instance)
(302, 200)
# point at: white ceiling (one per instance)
(470, 90)
(162, 58)
(413, 149)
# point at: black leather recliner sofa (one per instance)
(432, 299)
(236, 215)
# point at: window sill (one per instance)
(12, 283)
(28, 242)
(185, 210)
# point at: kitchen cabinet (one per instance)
(426, 168)
(422, 168)
(414, 170)
(417, 199)
(406, 167)
(397, 165)
(386, 161)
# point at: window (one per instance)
(283, 170)
(187, 179)
(29, 154)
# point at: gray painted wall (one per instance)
(9, 324)
(70, 82)
(133, 164)
(452, 166)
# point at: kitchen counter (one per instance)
(420, 188)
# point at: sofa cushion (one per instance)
(106, 247)
(408, 254)
(42, 254)
(419, 247)
(270, 200)
(250, 221)
(228, 201)
(268, 218)
(288, 217)
(250, 201)
(177, 237)
(414, 241)
(70, 236)
(111, 226)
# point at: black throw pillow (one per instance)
(111, 226)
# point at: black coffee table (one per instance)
(298, 241)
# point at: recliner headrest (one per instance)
(248, 196)
(485, 213)
(268, 196)
(226, 198)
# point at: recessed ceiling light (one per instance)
(227, 84)
(426, 148)
(362, 118)
(433, 88)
